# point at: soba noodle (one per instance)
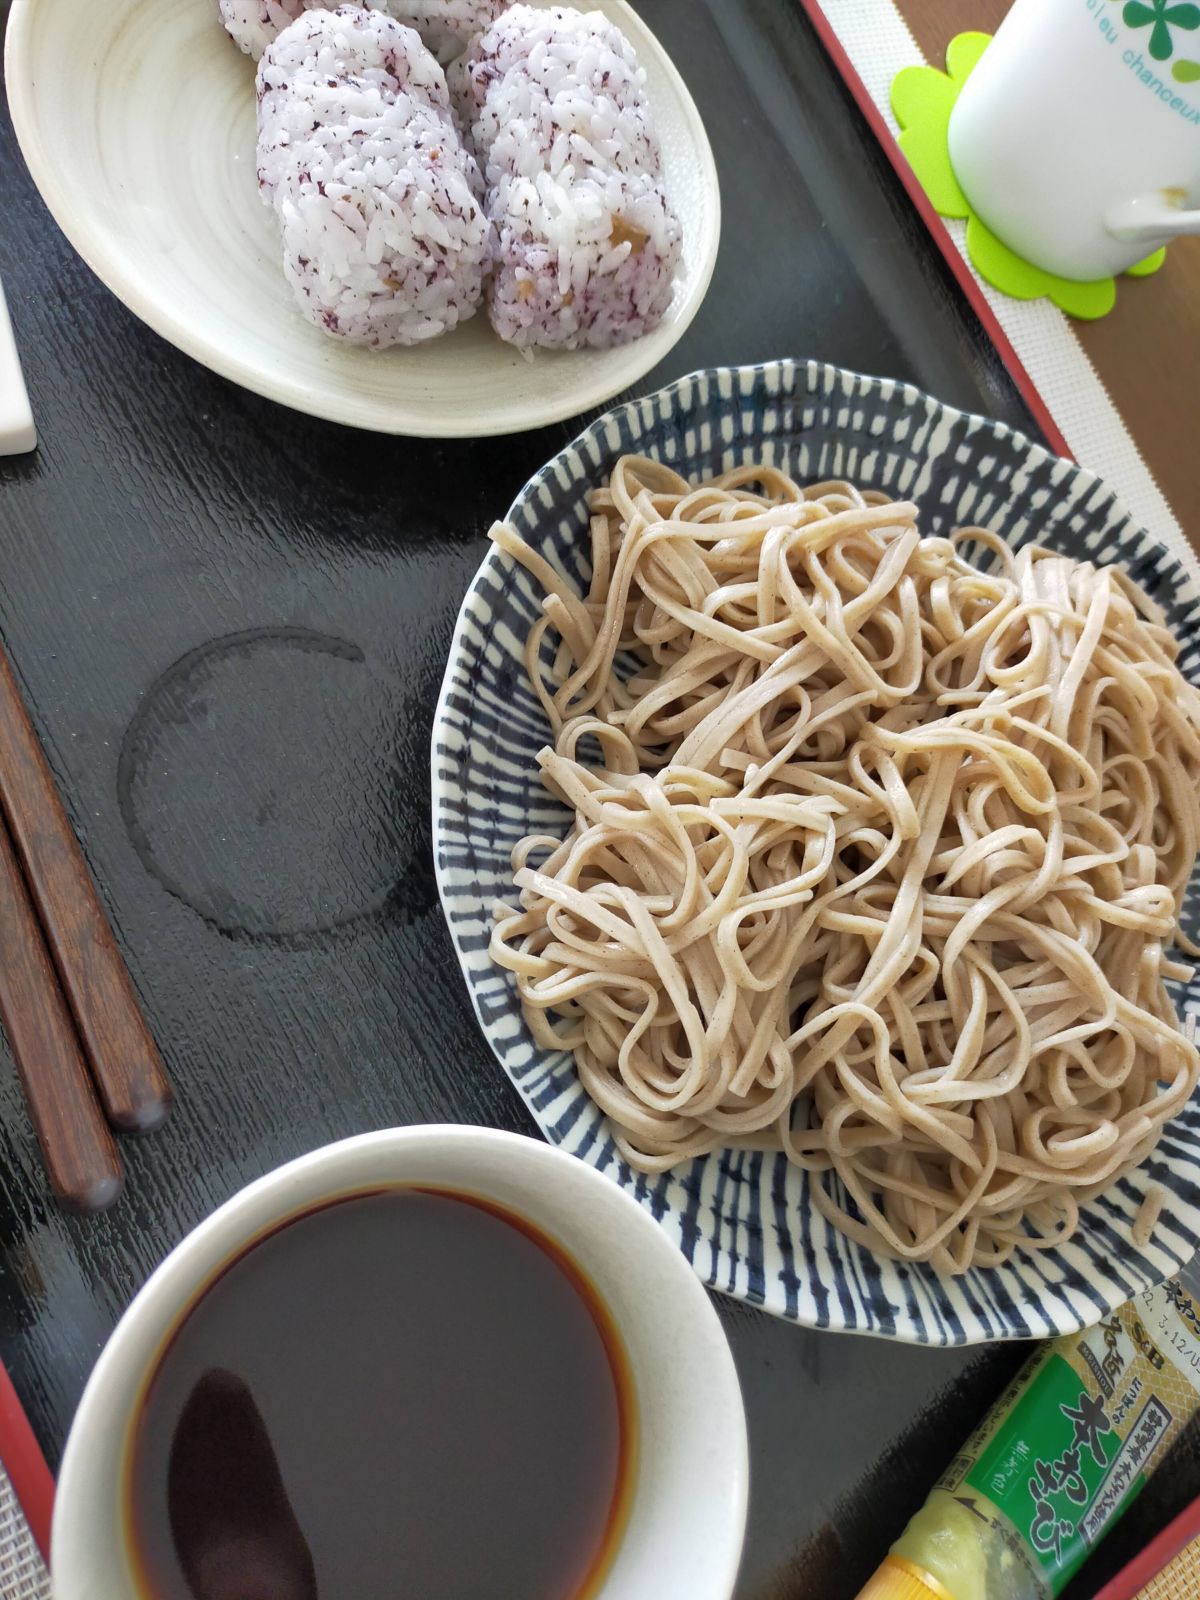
(875, 854)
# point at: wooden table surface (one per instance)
(230, 624)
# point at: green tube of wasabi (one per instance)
(1065, 1449)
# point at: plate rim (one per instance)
(385, 417)
(816, 375)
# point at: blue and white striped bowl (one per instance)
(744, 1220)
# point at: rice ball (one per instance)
(384, 239)
(446, 26)
(252, 24)
(588, 244)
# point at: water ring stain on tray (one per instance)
(259, 783)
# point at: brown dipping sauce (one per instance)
(404, 1395)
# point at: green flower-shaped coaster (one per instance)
(922, 99)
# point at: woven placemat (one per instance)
(1180, 1580)
(23, 1574)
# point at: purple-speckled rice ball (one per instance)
(446, 26)
(555, 108)
(384, 238)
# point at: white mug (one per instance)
(1076, 139)
(683, 1533)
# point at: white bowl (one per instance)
(136, 118)
(687, 1520)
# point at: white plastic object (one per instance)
(17, 433)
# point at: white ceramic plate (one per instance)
(137, 120)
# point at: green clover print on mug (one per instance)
(922, 100)
(1161, 17)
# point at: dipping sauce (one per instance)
(403, 1395)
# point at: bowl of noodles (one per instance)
(816, 793)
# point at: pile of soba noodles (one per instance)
(875, 853)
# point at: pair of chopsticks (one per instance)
(85, 1056)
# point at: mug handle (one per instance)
(1152, 218)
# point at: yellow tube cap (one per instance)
(898, 1579)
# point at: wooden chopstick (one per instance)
(120, 1051)
(77, 1146)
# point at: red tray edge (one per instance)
(26, 1466)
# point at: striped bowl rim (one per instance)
(743, 1219)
